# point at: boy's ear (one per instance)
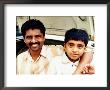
(64, 47)
(64, 44)
(85, 47)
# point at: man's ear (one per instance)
(24, 39)
(44, 38)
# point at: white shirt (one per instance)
(59, 63)
(26, 65)
(62, 65)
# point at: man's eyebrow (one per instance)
(70, 43)
(37, 35)
(28, 35)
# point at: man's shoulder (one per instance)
(57, 59)
(22, 55)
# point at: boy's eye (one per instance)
(71, 44)
(80, 46)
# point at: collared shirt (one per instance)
(62, 65)
(26, 65)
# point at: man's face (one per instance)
(34, 39)
(74, 49)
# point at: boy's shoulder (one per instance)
(60, 59)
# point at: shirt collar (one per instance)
(43, 53)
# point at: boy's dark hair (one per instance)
(76, 34)
(32, 24)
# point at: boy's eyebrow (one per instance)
(77, 44)
(73, 43)
(81, 45)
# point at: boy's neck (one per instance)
(71, 59)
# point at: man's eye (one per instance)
(38, 36)
(28, 37)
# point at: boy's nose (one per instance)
(75, 49)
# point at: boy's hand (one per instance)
(88, 69)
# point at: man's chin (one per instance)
(35, 49)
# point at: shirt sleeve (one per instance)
(18, 65)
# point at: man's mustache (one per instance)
(34, 43)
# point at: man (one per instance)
(32, 61)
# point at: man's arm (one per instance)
(85, 59)
(18, 64)
(88, 69)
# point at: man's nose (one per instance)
(33, 40)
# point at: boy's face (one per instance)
(34, 39)
(74, 49)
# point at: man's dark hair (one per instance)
(33, 24)
(77, 34)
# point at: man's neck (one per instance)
(34, 54)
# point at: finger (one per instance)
(91, 70)
(83, 72)
(86, 70)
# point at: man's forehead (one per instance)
(33, 31)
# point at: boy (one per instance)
(75, 44)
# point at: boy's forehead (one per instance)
(76, 42)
